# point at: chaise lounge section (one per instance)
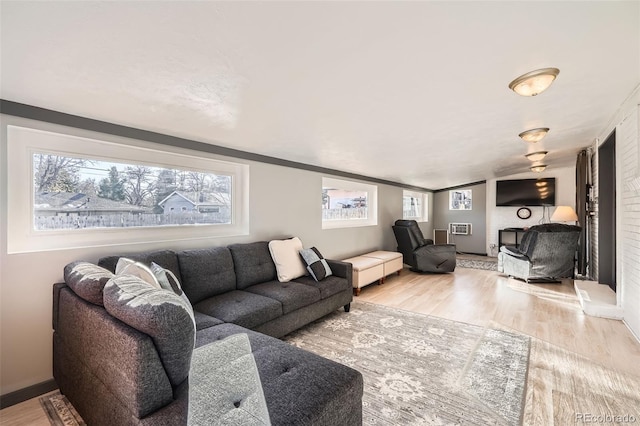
(114, 373)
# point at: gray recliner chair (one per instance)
(420, 253)
(546, 253)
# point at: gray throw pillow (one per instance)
(87, 280)
(316, 265)
(168, 281)
(161, 314)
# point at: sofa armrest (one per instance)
(341, 269)
(513, 251)
(427, 242)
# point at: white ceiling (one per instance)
(413, 92)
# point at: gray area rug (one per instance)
(423, 370)
(59, 410)
(477, 262)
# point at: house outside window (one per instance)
(415, 206)
(348, 204)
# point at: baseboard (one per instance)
(24, 394)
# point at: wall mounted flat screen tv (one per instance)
(526, 192)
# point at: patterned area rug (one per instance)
(423, 370)
(59, 411)
(477, 262)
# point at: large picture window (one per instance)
(347, 204)
(415, 206)
(82, 192)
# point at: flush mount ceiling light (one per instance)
(535, 82)
(538, 168)
(536, 156)
(534, 135)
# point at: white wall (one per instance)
(26, 279)
(505, 217)
(626, 123)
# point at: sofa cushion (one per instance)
(300, 387)
(253, 264)
(205, 321)
(165, 258)
(87, 280)
(240, 307)
(291, 294)
(224, 384)
(328, 287)
(316, 264)
(206, 273)
(159, 313)
(285, 255)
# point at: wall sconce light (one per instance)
(536, 156)
(534, 135)
(535, 82)
(538, 168)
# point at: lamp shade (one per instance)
(534, 82)
(564, 214)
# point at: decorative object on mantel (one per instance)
(535, 82)
(420, 369)
(564, 214)
(538, 168)
(524, 213)
(534, 135)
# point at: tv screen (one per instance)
(526, 192)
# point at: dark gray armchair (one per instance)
(420, 253)
(546, 252)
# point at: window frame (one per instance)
(25, 141)
(424, 197)
(372, 203)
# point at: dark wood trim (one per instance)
(460, 186)
(27, 393)
(55, 117)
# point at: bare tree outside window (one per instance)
(80, 193)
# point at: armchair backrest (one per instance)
(551, 248)
(409, 237)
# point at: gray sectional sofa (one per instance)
(113, 373)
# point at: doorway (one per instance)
(607, 212)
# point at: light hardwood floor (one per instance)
(579, 365)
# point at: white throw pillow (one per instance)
(129, 267)
(285, 255)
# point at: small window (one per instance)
(460, 199)
(347, 204)
(415, 206)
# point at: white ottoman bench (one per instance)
(365, 271)
(392, 261)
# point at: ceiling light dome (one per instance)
(536, 156)
(535, 82)
(538, 168)
(534, 135)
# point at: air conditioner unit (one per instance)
(460, 228)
